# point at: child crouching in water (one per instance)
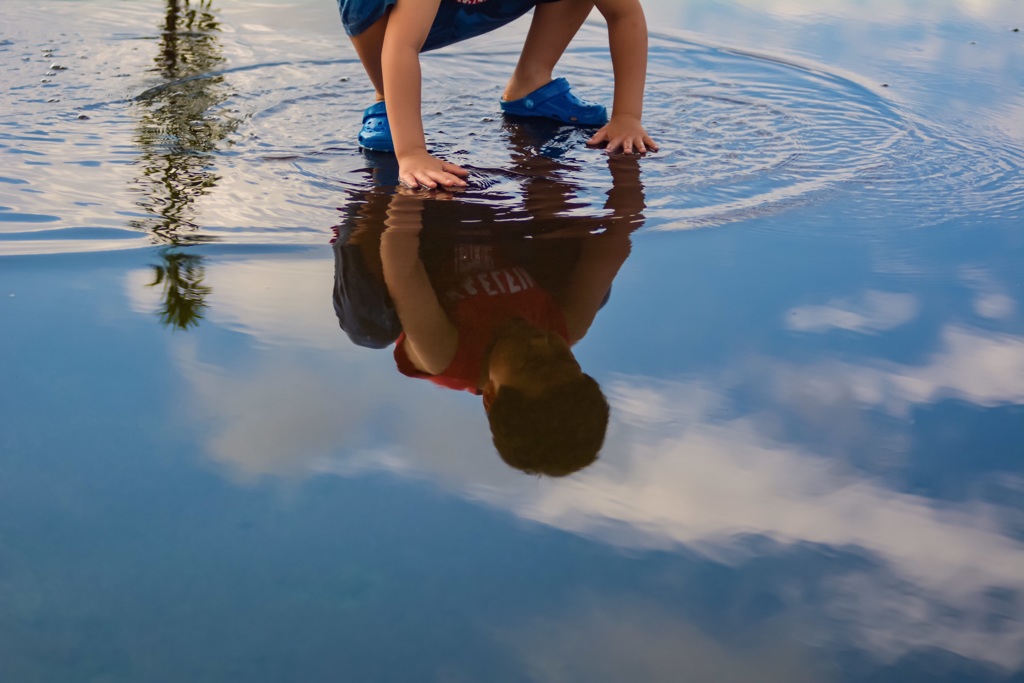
(388, 36)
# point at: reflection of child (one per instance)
(495, 332)
(493, 322)
(490, 303)
(389, 34)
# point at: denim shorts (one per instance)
(456, 19)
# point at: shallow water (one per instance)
(814, 356)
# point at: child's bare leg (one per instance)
(369, 45)
(554, 25)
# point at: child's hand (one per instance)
(625, 133)
(420, 169)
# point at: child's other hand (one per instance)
(420, 169)
(625, 133)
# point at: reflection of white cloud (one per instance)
(279, 420)
(990, 301)
(889, 617)
(873, 312)
(703, 486)
(310, 412)
(995, 305)
(280, 301)
(707, 485)
(598, 642)
(983, 368)
(643, 404)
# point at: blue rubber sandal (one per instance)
(556, 101)
(375, 134)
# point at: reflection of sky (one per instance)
(684, 464)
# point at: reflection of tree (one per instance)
(179, 126)
(184, 294)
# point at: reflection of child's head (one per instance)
(546, 416)
(556, 433)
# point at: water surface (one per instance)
(814, 356)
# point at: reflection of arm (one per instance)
(599, 262)
(430, 337)
(602, 255)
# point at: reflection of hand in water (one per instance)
(498, 316)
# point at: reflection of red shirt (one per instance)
(478, 305)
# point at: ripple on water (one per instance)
(756, 134)
(741, 135)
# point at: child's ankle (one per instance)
(521, 85)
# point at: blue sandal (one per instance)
(556, 101)
(375, 134)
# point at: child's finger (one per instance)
(424, 179)
(651, 144)
(454, 168)
(449, 179)
(598, 137)
(446, 179)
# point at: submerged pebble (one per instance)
(58, 67)
(83, 117)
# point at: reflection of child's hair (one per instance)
(557, 433)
